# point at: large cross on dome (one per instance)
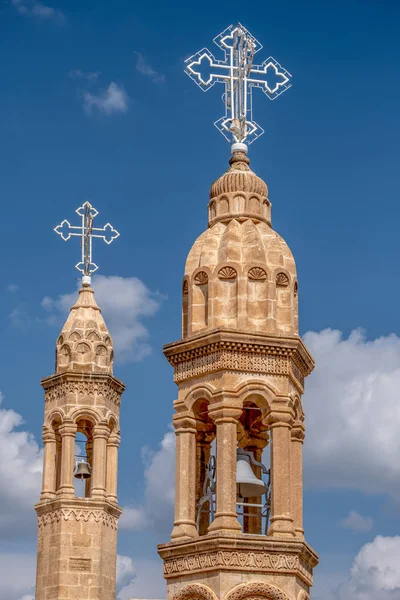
(239, 75)
(86, 232)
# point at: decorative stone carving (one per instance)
(69, 514)
(282, 280)
(201, 278)
(99, 388)
(255, 590)
(257, 274)
(227, 273)
(195, 591)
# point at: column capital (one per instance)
(184, 423)
(114, 440)
(48, 435)
(298, 432)
(225, 414)
(280, 419)
(101, 430)
(67, 428)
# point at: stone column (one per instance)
(49, 465)
(297, 477)
(281, 500)
(203, 452)
(67, 431)
(89, 458)
(226, 420)
(112, 467)
(100, 437)
(185, 479)
(256, 445)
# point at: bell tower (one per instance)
(77, 527)
(240, 368)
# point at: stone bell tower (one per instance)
(77, 536)
(240, 369)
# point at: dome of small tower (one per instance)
(239, 192)
(85, 344)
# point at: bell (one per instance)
(248, 484)
(82, 470)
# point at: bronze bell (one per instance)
(82, 470)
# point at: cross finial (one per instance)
(86, 232)
(239, 75)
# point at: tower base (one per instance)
(234, 567)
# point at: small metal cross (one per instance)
(237, 72)
(86, 232)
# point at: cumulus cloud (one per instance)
(20, 474)
(375, 574)
(17, 576)
(144, 68)
(126, 571)
(33, 8)
(357, 523)
(148, 583)
(157, 509)
(124, 302)
(113, 99)
(352, 413)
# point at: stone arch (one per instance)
(198, 393)
(257, 296)
(223, 206)
(64, 356)
(74, 336)
(225, 296)
(101, 355)
(93, 336)
(256, 590)
(85, 412)
(200, 312)
(82, 352)
(212, 210)
(56, 416)
(238, 204)
(257, 389)
(195, 591)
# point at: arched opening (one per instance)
(205, 436)
(284, 304)
(226, 297)
(257, 298)
(200, 301)
(83, 456)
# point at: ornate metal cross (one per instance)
(239, 75)
(86, 232)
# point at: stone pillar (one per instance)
(112, 468)
(226, 421)
(89, 458)
(297, 477)
(281, 502)
(253, 524)
(49, 465)
(203, 452)
(100, 436)
(67, 431)
(185, 479)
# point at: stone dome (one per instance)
(85, 344)
(240, 274)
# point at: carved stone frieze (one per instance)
(263, 562)
(75, 514)
(82, 388)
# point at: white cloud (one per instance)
(17, 576)
(143, 67)
(148, 583)
(353, 412)
(88, 76)
(357, 523)
(12, 287)
(375, 574)
(33, 8)
(126, 571)
(124, 301)
(19, 317)
(20, 475)
(157, 510)
(114, 99)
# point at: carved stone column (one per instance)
(67, 431)
(185, 478)
(226, 422)
(49, 465)
(281, 503)
(203, 452)
(112, 467)
(100, 437)
(297, 477)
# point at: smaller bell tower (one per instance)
(77, 530)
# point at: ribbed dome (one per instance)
(239, 178)
(85, 344)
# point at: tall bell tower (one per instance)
(77, 532)
(240, 369)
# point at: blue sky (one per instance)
(94, 105)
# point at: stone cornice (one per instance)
(77, 509)
(95, 378)
(243, 553)
(243, 343)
